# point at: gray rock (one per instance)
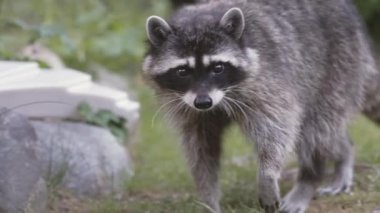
(38, 199)
(85, 159)
(21, 187)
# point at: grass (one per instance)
(162, 184)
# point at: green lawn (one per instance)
(162, 183)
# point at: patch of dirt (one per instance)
(63, 202)
(359, 202)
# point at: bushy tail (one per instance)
(372, 103)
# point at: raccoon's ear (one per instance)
(157, 30)
(233, 22)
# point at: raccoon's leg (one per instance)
(343, 172)
(202, 145)
(311, 163)
(272, 145)
(309, 177)
(269, 170)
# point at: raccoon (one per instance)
(292, 74)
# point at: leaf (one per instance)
(85, 112)
(103, 118)
(107, 116)
(119, 133)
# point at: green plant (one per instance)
(370, 10)
(82, 33)
(103, 118)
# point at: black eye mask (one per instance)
(183, 79)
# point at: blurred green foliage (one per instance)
(370, 10)
(105, 119)
(106, 32)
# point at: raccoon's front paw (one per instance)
(297, 200)
(293, 206)
(269, 208)
(269, 195)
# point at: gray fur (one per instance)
(313, 73)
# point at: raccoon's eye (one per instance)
(218, 68)
(182, 72)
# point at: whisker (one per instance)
(234, 110)
(174, 110)
(236, 89)
(227, 107)
(240, 104)
(159, 110)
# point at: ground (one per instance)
(162, 184)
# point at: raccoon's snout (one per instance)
(203, 102)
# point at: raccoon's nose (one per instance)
(203, 102)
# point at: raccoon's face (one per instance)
(198, 63)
